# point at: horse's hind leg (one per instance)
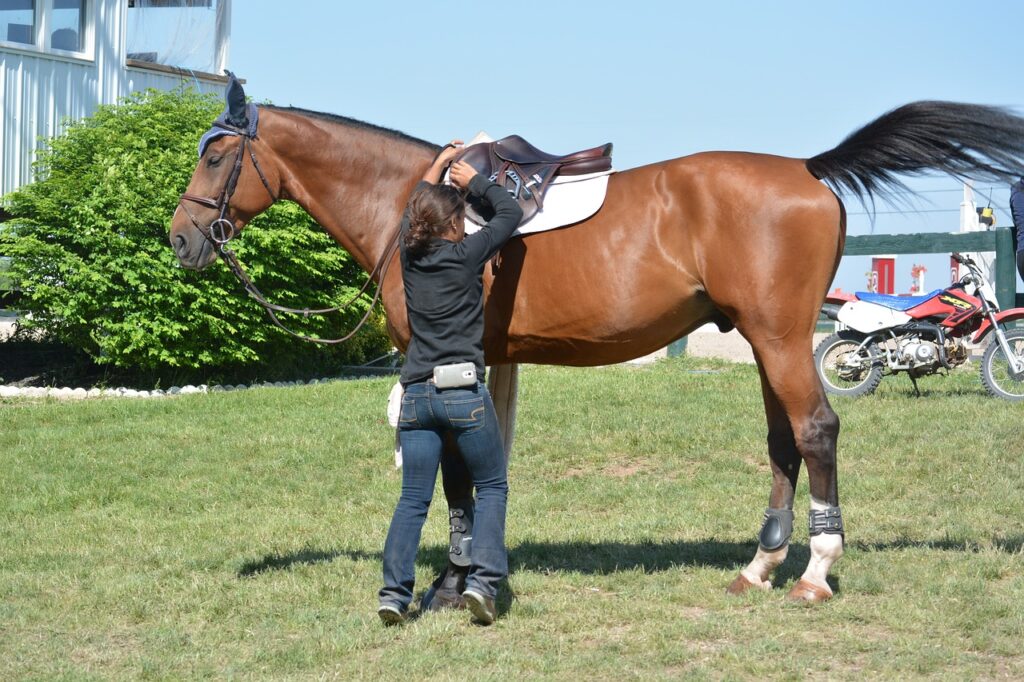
(773, 541)
(788, 369)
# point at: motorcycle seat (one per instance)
(896, 302)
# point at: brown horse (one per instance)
(739, 239)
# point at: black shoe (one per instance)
(481, 607)
(446, 592)
(391, 615)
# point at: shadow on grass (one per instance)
(604, 558)
(304, 557)
(582, 557)
(1013, 544)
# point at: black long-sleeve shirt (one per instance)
(444, 289)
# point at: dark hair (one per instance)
(431, 211)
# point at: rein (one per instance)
(222, 230)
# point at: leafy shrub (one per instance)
(90, 254)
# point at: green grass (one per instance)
(238, 535)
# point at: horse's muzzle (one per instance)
(195, 254)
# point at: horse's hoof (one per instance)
(446, 592)
(742, 584)
(808, 592)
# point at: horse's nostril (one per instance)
(180, 244)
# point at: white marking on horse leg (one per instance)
(503, 384)
(819, 505)
(826, 548)
(761, 567)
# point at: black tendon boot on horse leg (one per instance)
(446, 591)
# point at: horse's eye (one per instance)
(214, 160)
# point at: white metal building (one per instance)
(60, 59)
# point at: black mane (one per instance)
(355, 123)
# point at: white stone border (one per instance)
(65, 393)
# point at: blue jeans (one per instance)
(428, 413)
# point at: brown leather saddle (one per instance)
(525, 171)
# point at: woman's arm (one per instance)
(482, 245)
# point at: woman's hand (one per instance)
(433, 174)
(450, 151)
(461, 174)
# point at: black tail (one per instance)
(964, 140)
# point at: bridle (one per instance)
(222, 230)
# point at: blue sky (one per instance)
(659, 79)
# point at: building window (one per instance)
(60, 26)
(67, 25)
(184, 34)
(18, 21)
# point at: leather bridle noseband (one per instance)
(222, 230)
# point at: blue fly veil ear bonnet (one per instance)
(238, 117)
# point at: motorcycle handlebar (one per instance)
(962, 259)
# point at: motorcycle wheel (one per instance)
(846, 381)
(996, 374)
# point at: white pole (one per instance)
(223, 31)
(968, 223)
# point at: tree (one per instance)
(89, 252)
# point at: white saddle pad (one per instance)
(568, 200)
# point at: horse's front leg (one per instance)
(503, 385)
(446, 592)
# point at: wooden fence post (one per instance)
(677, 348)
(1006, 269)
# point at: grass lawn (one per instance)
(239, 535)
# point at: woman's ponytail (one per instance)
(432, 209)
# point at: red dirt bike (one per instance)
(921, 335)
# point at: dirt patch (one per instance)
(622, 470)
(573, 472)
(708, 342)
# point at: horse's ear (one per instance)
(234, 94)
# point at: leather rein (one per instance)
(222, 230)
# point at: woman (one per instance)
(443, 380)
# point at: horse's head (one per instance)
(229, 185)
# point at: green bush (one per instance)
(90, 254)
